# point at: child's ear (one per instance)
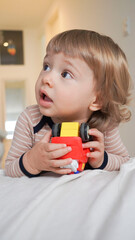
(95, 105)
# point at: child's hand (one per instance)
(96, 154)
(43, 157)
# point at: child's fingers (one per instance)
(62, 171)
(59, 152)
(92, 144)
(60, 162)
(94, 132)
(57, 166)
(54, 146)
(93, 155)
(47, 137)
(98, 138)
(51, 146)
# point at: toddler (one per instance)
(84, 78)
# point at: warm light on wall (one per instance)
(11, 47)
(5, 44)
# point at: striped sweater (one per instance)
(30, 129)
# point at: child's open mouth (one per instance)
(45, 99)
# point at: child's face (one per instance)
(65, 88)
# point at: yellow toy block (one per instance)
(83, 165)
(69, 129)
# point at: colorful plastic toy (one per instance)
(73, 134)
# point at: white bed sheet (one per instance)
(92, 205)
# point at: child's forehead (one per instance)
(67, 48)
(51, 54)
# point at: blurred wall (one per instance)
(27, 72)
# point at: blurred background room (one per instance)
(25, 29)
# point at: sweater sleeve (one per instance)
(117, 152)
(21, 143)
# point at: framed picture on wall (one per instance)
(11, 47)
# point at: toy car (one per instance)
(72, 134)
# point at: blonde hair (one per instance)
(109, 64)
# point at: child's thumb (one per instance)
(47, 137)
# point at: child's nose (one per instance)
(48, 79)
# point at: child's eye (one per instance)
(66, 75)
(46, 67)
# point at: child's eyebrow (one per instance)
(46, 56)
(68, 62)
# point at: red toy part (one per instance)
(77, 153)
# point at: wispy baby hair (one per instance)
(110, 68)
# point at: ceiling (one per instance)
(22, 13)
